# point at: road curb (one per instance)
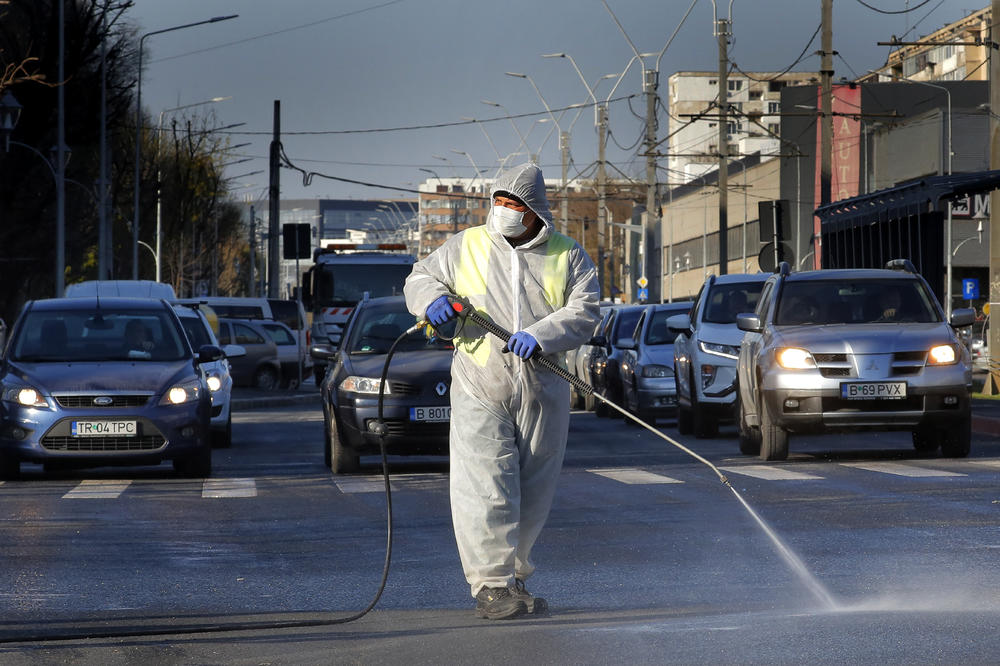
(985, 425)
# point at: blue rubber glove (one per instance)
(440, 311)
(523, 344)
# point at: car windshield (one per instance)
(657, 333)
(279, 334)
(377, 327)
(625, 322)
(105, 335)
(854, 302)
(725, 301)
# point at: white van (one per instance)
(123, 288)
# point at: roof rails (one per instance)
(900, 265)
(783, 268)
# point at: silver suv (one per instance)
(705, 352)
(853, 349)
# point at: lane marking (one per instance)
(899, 469)
(217, 488)
(633, 476)
(769, 473)
(984, 463)
(375, 483)
(98, 489)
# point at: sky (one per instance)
(343, 68)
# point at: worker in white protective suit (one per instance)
(510, 418)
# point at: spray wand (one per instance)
(466, 312)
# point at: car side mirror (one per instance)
(679, 323)
(234, 351)
(323, 352)
(628, 343)
(598, 341)
(962, 317)
(749, 322)
(210, 354)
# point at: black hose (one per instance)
(380, 430)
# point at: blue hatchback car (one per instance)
(87, 382)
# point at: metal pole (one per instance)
(602, 210)
(274, 208)
(564, 204)
(826, 123)
(253, 248)
(61, 161)
(103, 228)
(722, 33)
(652, 214)
(994, 78)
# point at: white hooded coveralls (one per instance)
(509, 419)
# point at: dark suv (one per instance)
(853, 349)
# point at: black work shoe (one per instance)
(498, 603)
(535, 605)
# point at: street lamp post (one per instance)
(138, 132)
(524, 143)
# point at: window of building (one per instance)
(735, 85)
(774, 107)
(775, 86)
(755, 94)
(773, 128)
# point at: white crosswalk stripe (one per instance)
(986, 463)
(217, 488)
(375, 483)
(98, 489)
(770, 473)
(633, 476)
(899, 469)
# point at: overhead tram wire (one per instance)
(801, 57)
(457, 123)
(898, 11)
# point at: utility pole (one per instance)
(274, 208)
(992, 384)
(722, 33)
(253, 248)
(826, 124)
(564, 204)
(602, 209)
(652, 212)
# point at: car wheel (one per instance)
(702, 423)
(10, 468)
(197, 465)
(773, 438)
(343, 459)
(601, 408)
(223, 439)
(749, 436)
(684, 425)
(265, 378)
(956, 441)
(926, 440)
(327, 457)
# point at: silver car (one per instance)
(853, 349)
(705, 352)
(647, 368)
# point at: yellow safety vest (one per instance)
(470, 279)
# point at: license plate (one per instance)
(430, 413)
(873, 390)
(105, 428)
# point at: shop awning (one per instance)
(916, 197)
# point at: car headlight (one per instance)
(793, 358)
(718, 349)
(657, 371)
(180, 394)
(368, 385)
(214, 382)
(22, 394)
(942, 355)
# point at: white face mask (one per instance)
(508, 222)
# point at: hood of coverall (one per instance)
(526, 183)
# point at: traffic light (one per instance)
(296, 240)
(774, 220)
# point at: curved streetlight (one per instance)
(520, 136)
(138, 132)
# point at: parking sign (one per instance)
(970, 289)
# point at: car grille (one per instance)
(841, 365)
(407, 428)
(102, 444)
(87, 401)
(404, 388)
(913, 403)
